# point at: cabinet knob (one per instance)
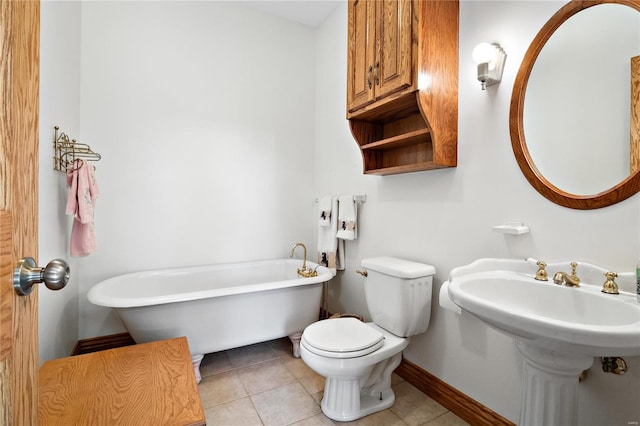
(369, 76)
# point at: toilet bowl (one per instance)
(357, 358)
(357, 382)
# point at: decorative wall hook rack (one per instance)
(67, 151)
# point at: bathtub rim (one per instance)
(96, 295)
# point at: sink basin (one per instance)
(557, 329)
(580, 320)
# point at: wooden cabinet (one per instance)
(380, 50)
(402, 83)
(360, 54)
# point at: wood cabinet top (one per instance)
(146, 384)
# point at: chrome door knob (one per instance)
(55, 275)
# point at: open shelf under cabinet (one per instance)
(395, 143)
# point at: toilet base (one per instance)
(367, 404)
(345, 399)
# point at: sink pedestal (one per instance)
(550, 385)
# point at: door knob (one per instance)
(55, 275)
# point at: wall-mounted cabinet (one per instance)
(380, 51)
(402, 84)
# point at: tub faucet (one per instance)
(570, 280)
(303, 271)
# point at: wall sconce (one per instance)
(490, 59)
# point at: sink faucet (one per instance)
(571, 280)
(303, 271)
(610, 286)
(541, 274)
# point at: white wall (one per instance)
(203, 113)
(444, 217)
(59, 105)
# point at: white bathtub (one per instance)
(216, 307)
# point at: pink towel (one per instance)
(83, 192)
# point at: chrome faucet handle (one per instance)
(541, 274)
(610, 286)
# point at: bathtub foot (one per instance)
(196, 360)
(295, 340)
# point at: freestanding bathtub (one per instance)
(216, 307)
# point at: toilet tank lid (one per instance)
(398, 267)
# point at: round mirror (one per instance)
(576, 133)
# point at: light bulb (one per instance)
(484, 53)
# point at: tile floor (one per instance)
(264, 384)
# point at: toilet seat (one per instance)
(342, 338)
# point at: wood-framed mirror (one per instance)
(524, 121)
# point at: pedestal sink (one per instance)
(558, 329)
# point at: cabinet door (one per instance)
(360, 54)
(393, 67)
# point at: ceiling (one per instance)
(307, 12)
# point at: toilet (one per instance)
(357, 358)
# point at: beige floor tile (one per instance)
(313, 384)
(214, 363)
(285, 405)
(264, 376)
(220, 388)
(240, 412)
(263, 384)
(385, 417)
(298, 368)
(317, 397)
(414, 407)
(282, 347)
(447, 419)
(395, 379)
(252, 354)
(317, 420)
(312, 381)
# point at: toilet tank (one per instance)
(398, 294)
